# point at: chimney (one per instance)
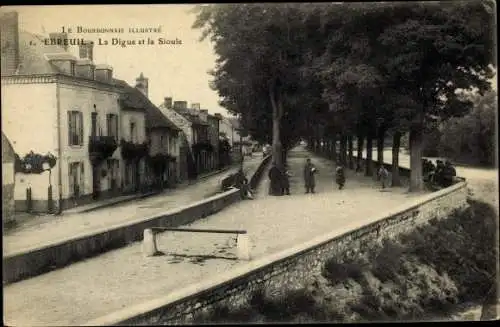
(86, 50)
(167, 102)
(9, 35)
(84, 68)
(141, 83)
(180, 104)
(61, 39)
(203, 115)
(103, 73)
(195, 106)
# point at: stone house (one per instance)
(162, 135)
(54, 103)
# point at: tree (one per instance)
(258, 58)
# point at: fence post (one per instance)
(149, 248)
(243, 247)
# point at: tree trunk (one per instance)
(350, 146)
(359, 159)
(369, 154)
(416, 145)
(396, 143)
(277, 114)
(380, 148)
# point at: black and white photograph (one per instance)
(249, 163)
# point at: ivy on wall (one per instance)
(33, 163)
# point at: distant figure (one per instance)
(285, 184)
(438, 173)
(275, 180)
(383, 175)
(246, 191)
(340, 177)
(309, 179)
(449, 173)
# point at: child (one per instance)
(382, 175)
(340, 176)
(286, 182)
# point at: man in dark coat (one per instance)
(275, 177)
(285, 182)
(340, 176)
(309, 172)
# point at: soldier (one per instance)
(340, 176)
(309, 172)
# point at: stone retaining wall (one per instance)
(34, 262)
(289, 269)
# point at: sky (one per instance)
(179, 71)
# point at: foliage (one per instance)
(472, 137)
(32, 163)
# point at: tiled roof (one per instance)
(32, 53)
(190, 114)
(132, 98)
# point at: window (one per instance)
(162, 142)
(112, 125)
(133, 132)
(72, 69)
(75, 122)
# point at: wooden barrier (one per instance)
(150, 248)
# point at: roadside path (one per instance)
(49, 229)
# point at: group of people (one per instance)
(441, 174)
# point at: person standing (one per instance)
(286, 182)
(309, 179)
(275, 180)
(382, 174)
(340, 177)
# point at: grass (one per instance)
(423, 274)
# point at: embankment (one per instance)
(422, 275)
(34, 262)
(293, 269)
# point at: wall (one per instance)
(40, 259)
(29, 120)
(83, 98)
(289, 269)
(8, 179)
(128, 116)
(9, 36)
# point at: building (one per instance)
(134, 147)
(201, 147)
(185, 160)
(162, 138)
(64, 108)
(8, 180)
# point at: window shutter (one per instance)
(70, 127)
(80, 132)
